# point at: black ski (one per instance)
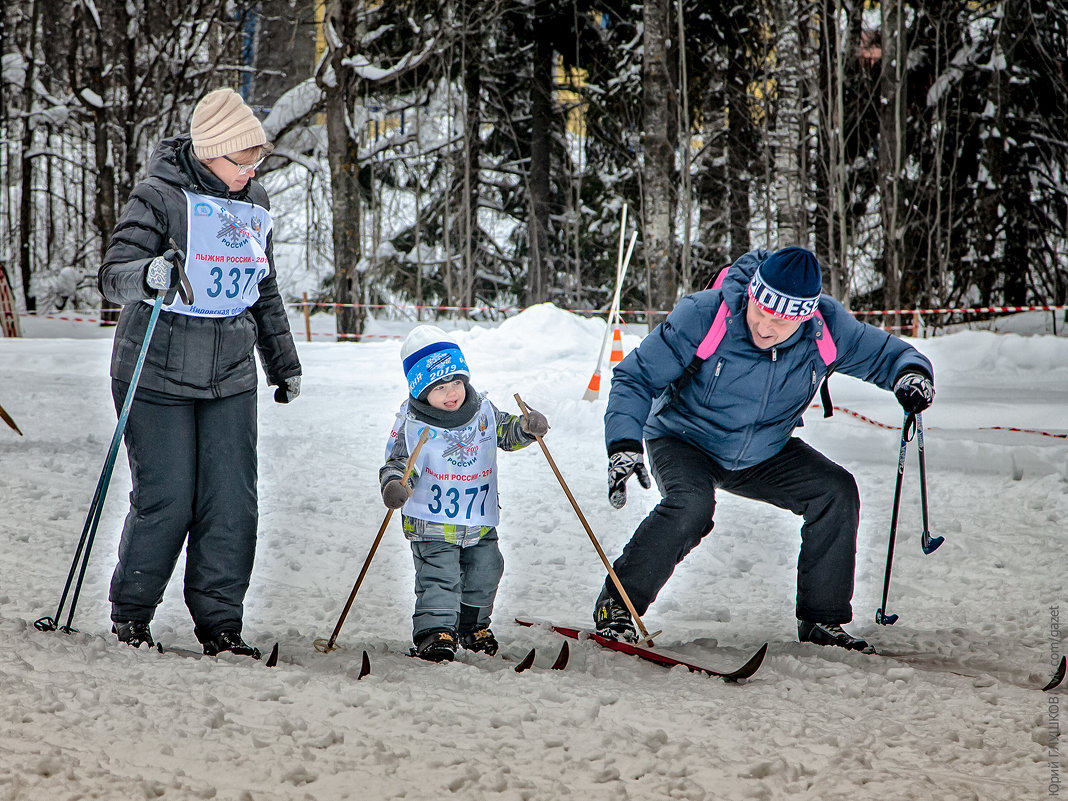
(1058, 677)
(524, 664)
(935, 665)
(177, 650)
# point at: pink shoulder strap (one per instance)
(824, 341)
(715, 333)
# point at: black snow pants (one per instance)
(798, 478)
(193, 464)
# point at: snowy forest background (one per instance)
(478, 153)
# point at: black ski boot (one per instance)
(436, 645)
(133, 633)
(474, 637)
(613, 620)
(481, 641)
(831, 634)
(230, 641)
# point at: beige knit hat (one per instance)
(223, 124)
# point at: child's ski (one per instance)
(659, 655)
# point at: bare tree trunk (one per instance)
(788, 179)
(831, 228)
(659, 103)
(343, 157)
(104, 212)
(26, 171)
(540, 157)
(685, 190)
(891, 144)
(740, 138)
(472, 71)
(711, 232)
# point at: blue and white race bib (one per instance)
(456, 469)
(225, 257)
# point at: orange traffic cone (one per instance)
(617, 347)
(594, 386)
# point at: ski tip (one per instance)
(272, 660)
(528, 660)
(1058, 676)
(365, 666)
(749, 668)
(562, 657)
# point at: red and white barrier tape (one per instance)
(870, 421)
(516, 309)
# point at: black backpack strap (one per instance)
(825, 395)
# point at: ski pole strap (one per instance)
(183, 287)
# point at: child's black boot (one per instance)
(436, 645)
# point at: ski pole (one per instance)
(930, 544)
(907, 428)
(648, 638)
(97, 505)
(325, 646)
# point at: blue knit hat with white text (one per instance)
(429, 357)
(787, 284)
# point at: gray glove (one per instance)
(621, 466)
(287, 390)
(534, 423)
(914, 391)
(395, 493)
(160, 273)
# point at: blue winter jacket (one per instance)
(744, 403)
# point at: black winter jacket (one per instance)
(195, 357)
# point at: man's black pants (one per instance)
(798, 478)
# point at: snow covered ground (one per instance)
(957, 716)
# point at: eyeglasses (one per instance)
(246, 168)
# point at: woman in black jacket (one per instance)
(191, 432)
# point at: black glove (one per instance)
(287, 390)
(621, 466)
(534, 423)
(395, 493)
(914, 391)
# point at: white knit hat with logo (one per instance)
(223, 124)
(429, 356)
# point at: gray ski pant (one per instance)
(193, 464)
(798, 478)
(448, 576)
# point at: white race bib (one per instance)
(456, 469)
(225, 255)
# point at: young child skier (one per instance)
(450, 508)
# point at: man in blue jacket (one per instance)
(725, 421)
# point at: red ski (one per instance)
(659, 655)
